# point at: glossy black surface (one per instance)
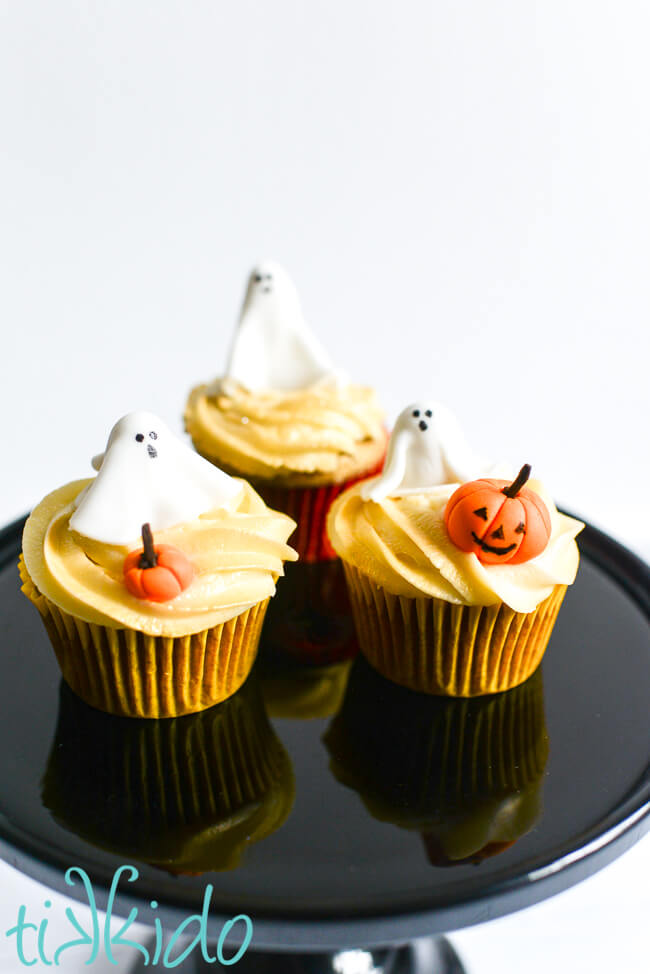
(333, 874)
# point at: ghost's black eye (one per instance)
(416, 413)
(423, 426)
(139, 437)
(428, 413)
(153, 435)
(258, 278)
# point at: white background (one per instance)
(460, 191)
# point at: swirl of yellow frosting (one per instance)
(402, 544)
(237, 554)
(326, 433)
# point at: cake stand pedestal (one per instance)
(342, 887)
(428, 955)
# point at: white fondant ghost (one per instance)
(426, 448)
(273, 346)
(147, 475)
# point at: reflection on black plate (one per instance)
(466, 774)
(302, 692)
(186, 794)
(334, 874)
(309, 620)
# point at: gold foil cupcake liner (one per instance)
(433, 646)
(132, 674)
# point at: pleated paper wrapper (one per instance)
(132, 674)
(433, 646)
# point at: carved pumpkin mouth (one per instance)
(492, 548)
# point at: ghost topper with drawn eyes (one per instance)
(262, 280)
(427, 448)
(147, 475)
(152, 452)
(273, 347)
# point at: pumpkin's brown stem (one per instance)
(148, 558)
(518, 482)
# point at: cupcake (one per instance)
(166, 626)
(283, 417)
(186, 795)
(466, 775)
(455, 587)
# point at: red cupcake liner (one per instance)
(309, 507)
(310, 619)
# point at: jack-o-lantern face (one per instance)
(497, 521)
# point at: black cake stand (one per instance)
(357, 879)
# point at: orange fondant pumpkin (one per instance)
(498, 521)
(156, 574)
